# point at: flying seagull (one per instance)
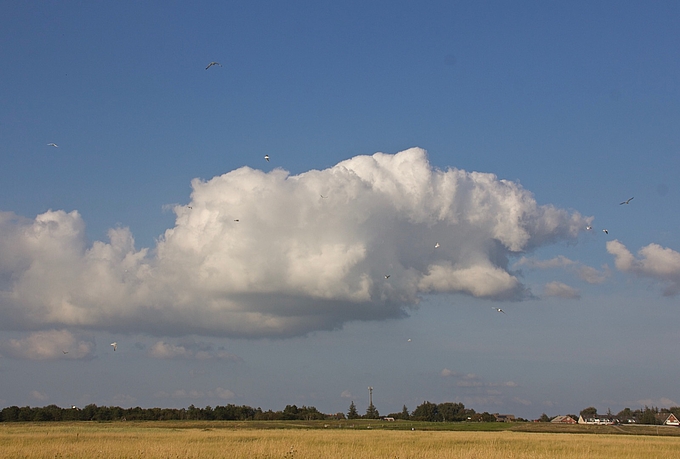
(213, 63)
(499, 310)
(65, 352)
(236, 219)
(436, 246)
(605, 231)
(115, 345)
(626, 201)
(387, 276)
(51, 144)
(323, 197)
(589, 227)
(266, 157)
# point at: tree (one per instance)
(649, 416)
(426, 412)
(352, 413)
(372, 412)
(451, 412)
(404, 413)
(544, 418)
(625, 414)
(589, 412)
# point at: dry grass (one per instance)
(136, 440)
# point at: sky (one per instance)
(429, 165)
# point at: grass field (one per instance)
(295, 440)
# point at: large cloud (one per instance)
(270, 254)
(655, 262)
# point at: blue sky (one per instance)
(504, 130)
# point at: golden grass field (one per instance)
(224, 440)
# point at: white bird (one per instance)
(53, 145)
(409, 340)
(499, 310)
(266, 157)
(436, 246)
(115, 345)
(589, 227)
(627, 201)
(387, 276)
(605, 231)
(213, 63)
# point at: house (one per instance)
(596, 420)
(504, 417)
(563, 420)
(668, 419)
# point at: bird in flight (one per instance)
(589, 227)
(52, 144)
(605, 231)
(409, 340)
(266, 157)
(236, 219)
(436, 246)
(499, 310)
(626, 201)
(387, 276)
(115, 345)
(323, 197)
(65, 352)
(213, 63)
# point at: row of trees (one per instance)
(115, 413)
(442, 412)
(427, 411)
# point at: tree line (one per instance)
(442, 412)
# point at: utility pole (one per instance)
(370, 396)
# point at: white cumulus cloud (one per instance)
(659, 263)
(270, 254)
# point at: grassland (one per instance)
(300, 440)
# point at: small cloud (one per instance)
(521, 401)
(193, 394)
(446, 373)
(592, 275)
(655, 262)
(560, 290)
(123, 400)
(225, 394)
(37, 395)
(49, 345)
(556, 262)
(190, 350)
(584, 272)
(346, 394)
(662, 402)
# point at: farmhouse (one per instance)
(597, 420)
(563, 420)
(504, 417)
(668, 419)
